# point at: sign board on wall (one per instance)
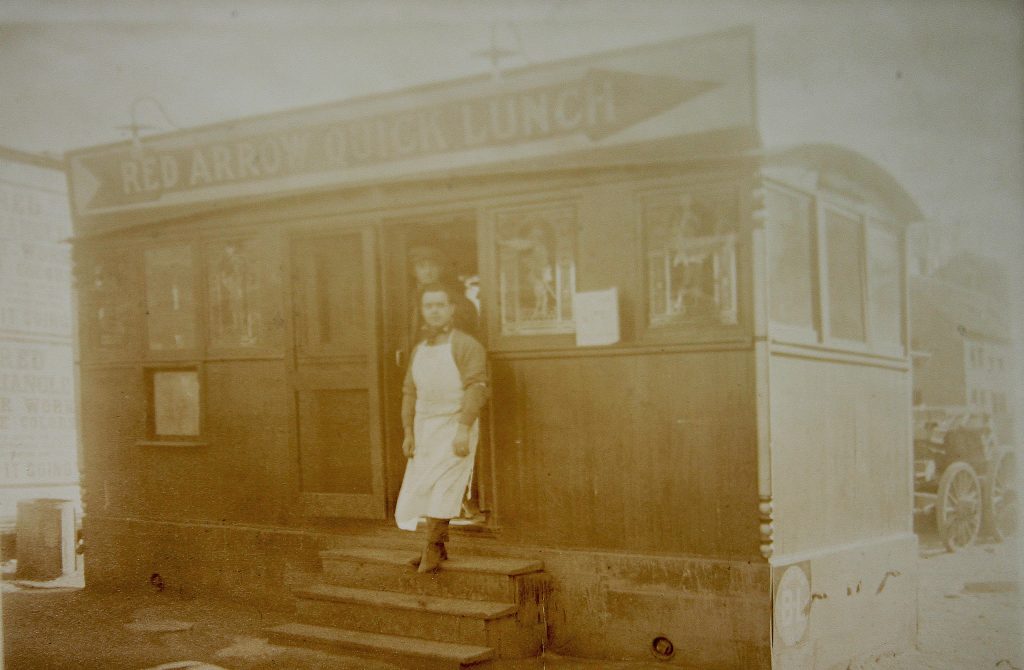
(38, 445)
(619, 100)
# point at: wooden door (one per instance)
(455, 235)
(335, 375)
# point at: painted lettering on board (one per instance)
(597, 105)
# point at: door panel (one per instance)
(334, 441)
(334, 375)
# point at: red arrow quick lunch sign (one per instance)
(628, 97)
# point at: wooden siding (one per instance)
(840, 452)
(630, 452)
(239, 474)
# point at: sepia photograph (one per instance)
(494, 335)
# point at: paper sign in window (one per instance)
(597, 317)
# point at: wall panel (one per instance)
(645, 453)
(846, 479)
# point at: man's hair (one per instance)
(437, 287)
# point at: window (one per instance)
(835, 271)
(884, 286)
(845, 254)
(690, 244)
(242, 299)
(536, 269)
(110, 311)
(170, 299)
(789, 257)
(174, 411)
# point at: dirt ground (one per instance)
(971, 610)
(970, 605)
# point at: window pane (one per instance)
(845, 252)
(234, 294)
(110, 315)
(789, 258)
(690, 244)
(536, 270)
(330, 295)
(176, 403)
(170, 304)
(884, 281)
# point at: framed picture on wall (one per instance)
(690, 254)
(535, 251)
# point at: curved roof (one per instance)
(832, 160)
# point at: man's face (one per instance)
(437, 311)
(427, 271)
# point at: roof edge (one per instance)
(834, 158)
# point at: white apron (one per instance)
(435, 479)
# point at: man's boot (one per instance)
(431, 523)
(435, 551)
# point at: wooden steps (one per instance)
(408, 651)
(372, 602)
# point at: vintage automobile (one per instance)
(962, 476)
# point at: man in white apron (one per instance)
(445, 388)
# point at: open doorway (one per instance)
(449, 242)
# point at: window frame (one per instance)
(152, 438)
(894, 349)
(825, 205)
(702, 332)
(865, 216)
(489, 267)
(85, 261)
(271, 300)
(792, 333)
(199, 334)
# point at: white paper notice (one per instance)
(597, 317)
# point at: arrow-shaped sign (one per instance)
(640, 97)
(598, 104)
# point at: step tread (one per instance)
(476, 609)
(363, 641)
(500, 566)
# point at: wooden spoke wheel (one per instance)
(958, 507)
(1001, 498)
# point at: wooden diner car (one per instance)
(697, 447)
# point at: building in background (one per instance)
(931, 244)
(963, 347)
(979, 274)
(38, 436)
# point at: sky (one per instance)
(932, 90)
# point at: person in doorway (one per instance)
(428, 267)
(445, 388)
